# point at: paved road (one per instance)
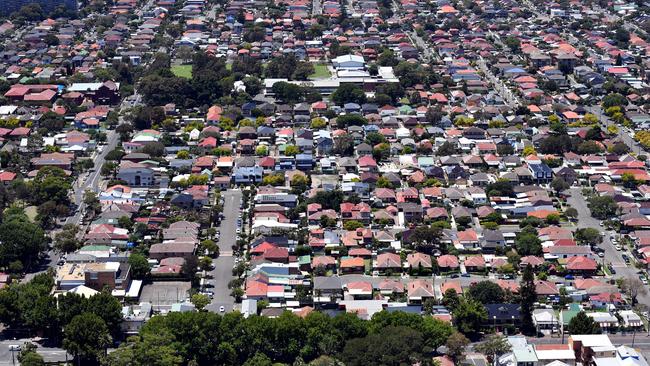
(50, 355)
(634, 146)
(222, 273)
(499, 86)
(577, 201)
(316, 7)
(91, 180)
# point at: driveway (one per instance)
(222, 272)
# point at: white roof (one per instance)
(82, 87)
(348, 58)
(7, 109)
(556, 354)
(84, 291)
(593, 340)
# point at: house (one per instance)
(388, 262)
(448, 263)
(172, 249)
(419, 262)
(349, 265)
(502, 315)
(541, 173)
(136, 174)
(588, 347)
(419, 290)
(247, 175)
(492, 239)
(349, 62)
(581, 265)
(327, 290)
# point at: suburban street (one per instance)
(577, 201)
(50, 355)
(222, 272)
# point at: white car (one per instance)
(222, 309)
(618, 247)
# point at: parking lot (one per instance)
(165, 293)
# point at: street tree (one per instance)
(588, 236)
(486, 292)
(86, 337)
(200, 301)
(633, 287)
(528, 295)
(559, 185)
(602, 207)
(66, 240)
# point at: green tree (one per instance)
(493, 346)
(487, 292)
(528, 296)
(292, 150)
(348, 93)
(588, 236)
(66, 240)
(602, 207)
(447, 148)
(32, 359)
(21, 240)
(559, 185)
(469, 315)
(583, 324)
(259, 359)
(614, 100)
(528, 243)
(86, 337)
(571, 212)
(200, 301)
(148, 349)
(392, 346)
(108, 308)
(140, 267)
(352, 225)
(451, 299)
(456, 344)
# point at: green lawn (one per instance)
(320, 72)
(184, 71)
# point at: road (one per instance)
(634, 146)
(91, 181)
(50, 355)
(222, 272)
(504, 92)
(577, 201)
(316, 7)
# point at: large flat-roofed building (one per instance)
(10, 6)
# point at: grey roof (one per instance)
(327, 283)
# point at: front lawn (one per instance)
(183, 71)
(320, 72)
